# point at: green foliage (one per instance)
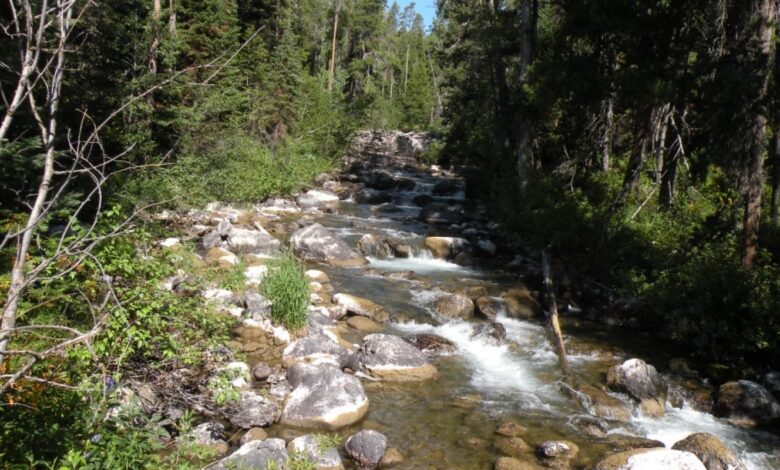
(287, 288)
(234, 168)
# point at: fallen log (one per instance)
(551, 313)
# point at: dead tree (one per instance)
(551, 312)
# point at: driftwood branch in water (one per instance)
(551, 311)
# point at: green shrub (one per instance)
(286, 286)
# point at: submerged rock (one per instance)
(711, 451)
(642, 383)
(255, 455)
(747, 402)
(488, 307)
(646, 459)
(372, 196)
(389, 357)
(316, 243)
(493, 333)
(323, 397)
(366, 448)
(599, 403)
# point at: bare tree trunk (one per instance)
(609, 127)
(155, 45)
(332, 64)
(406, 69)
(32, 52)
(552, 316)
(660, 127)
(523, 150)
(637, 159)
(48, 131)
(753, 178)
(172, 18)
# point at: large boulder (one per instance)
(311, 447)
(255, 455)
(323, 397)
(312, 349)
(519, 303)
(316, 243)
(240, 240)
(210, 435)
(366, 448)
(446, 247)
(453, 306)
(651, 459)
(711, 451)
(642, 383)
(488, 307)
(388, 357)
(317, 198)
(354, 305)
(374, 246)
(253, 410)
(747, 402)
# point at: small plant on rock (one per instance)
(288, 290)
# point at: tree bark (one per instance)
(753, 178)
(332, 64)
(552, 316)
(523, 150)
(637, 159)
(609, 126)
(155, 44)
(172, 17)
(406, 68)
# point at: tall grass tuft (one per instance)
(286, 286)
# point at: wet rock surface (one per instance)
(389, 357)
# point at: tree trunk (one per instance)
(609, 126)
(551, 307)
(155, 45)
(753, 178)
(406, 68)
(637, 159)
(332, 64)
(668, 180)
(48, 131)
(172, 17)
(523, 150)
(660, 128)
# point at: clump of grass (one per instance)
(287, 288)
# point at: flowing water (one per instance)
(449, 423)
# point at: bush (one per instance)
(232, 167)
(286, 286)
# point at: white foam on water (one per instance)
(420, 263)
(759, 450)
(495, 370)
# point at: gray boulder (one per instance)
(316, 243)
(311, 349)
(646, 459)
(366, 448)
(354, 305)
(453, 306)
(642, 383)
(253, 410)
(317, 198)
(388, 357)
(323, 397)
(240, 240)
(255, 455)
(747, 402)
(711, 451)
